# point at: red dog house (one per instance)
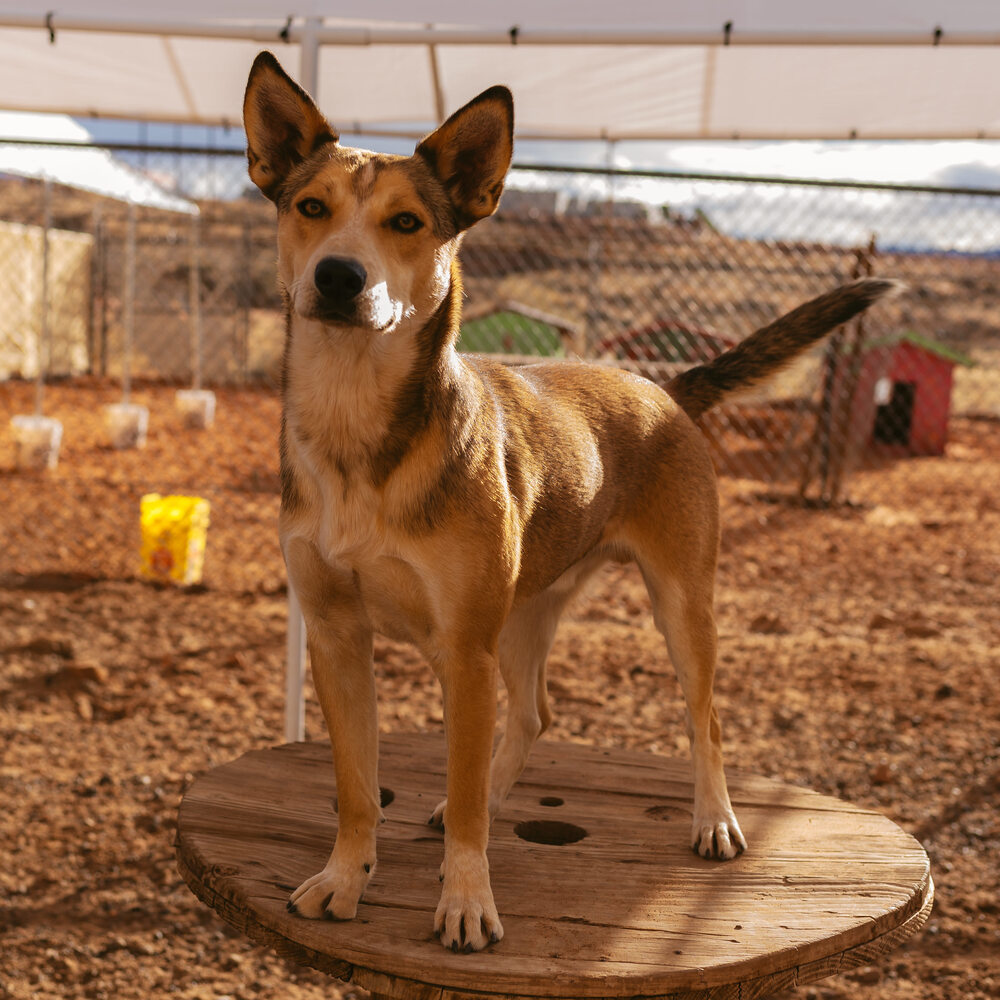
(902, 397)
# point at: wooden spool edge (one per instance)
(399, 988)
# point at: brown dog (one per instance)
(458, 504)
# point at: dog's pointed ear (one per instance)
(282, 124)
(470, 154)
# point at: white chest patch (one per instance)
(350, 529)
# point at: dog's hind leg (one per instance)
(340, 650)
(682, 609)
(524, 646)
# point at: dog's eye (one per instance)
(405, 222)
(312, 208)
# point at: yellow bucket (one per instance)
(174, 532)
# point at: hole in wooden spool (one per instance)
(550, 800)
(668, 813)
(550, 831)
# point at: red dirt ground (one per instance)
(858, 658)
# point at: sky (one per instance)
(956, 163)
(964, 224)
(950, 164)
(897, 220)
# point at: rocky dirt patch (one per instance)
(859, 653)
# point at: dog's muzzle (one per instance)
(339, 281)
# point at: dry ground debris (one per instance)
(859, 653)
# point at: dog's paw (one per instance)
(466, 919)
(719, 837)
(437, 817)
(333, 894)
(467, 924)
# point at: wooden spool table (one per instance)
(626, 910)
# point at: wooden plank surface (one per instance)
(627, 911)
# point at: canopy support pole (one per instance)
(295, 666)
(309, 58)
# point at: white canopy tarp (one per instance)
(628, 69)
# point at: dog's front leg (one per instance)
(466, 918)
(340, 649)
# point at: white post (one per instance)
(295, 673)
(309, 58)
(295, 668)
(194, 294)
(44, 347)
(129, 318)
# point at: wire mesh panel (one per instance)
(206, 298)
(659, 288)
(646, 271)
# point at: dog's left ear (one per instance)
(470, 154)
(282, 124)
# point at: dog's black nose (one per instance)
(339, 280)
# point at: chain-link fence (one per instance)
(649, 271)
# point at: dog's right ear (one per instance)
(282, 124)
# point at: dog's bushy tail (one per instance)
(768, 350)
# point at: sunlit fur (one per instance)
(460, 504)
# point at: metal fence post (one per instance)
(295, 672)
(44, 339)
(194, 292)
